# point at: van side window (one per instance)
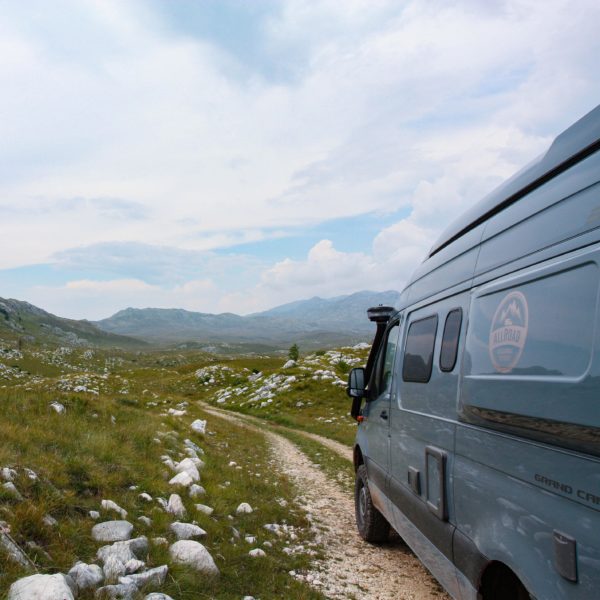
(418, 353)
(450, 340)
(385, 361)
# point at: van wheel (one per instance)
(371, 524)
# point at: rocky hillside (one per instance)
(313, 324)
(20, 319)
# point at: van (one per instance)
(479, 435)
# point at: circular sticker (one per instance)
(508, 332)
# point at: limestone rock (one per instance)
(145, 520)
(11, 490)
(86, 576)
(112, 531)
(145, 496)
(184, 479)
(122, 591)
(243, 509)
(35, 587)
(194, 555)
(175, 506)
(157, 596)
(8, 474)
(94, 514)
(110, 505)
(187, 465)
(199, 426)
(257, 553)
(58, 408)
(196, 490)
(155, 577)
(207, 510)
(186, 531)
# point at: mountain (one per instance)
(312, 323)
(20, 319)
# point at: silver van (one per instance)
(479, 435)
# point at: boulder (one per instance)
(194, 555)
(124, 551)
(196, 490)
(187, 465)
(199, 426)
(121, 591)
(243, 509)
(155, 577)
(184, 479)
(207, 510)
(36, 587)
(257, 553)
(186, 531)
(112, 531)
(86, 576)
(175, 506)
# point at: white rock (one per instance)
(110, 505)
(243, 509)
(186, 531)
(187, 465)
(199, 426)
(160, 541)
(176, 413)
(289, 364)
(196, 490)
(57, 407)
(250, 539)
(207, 510)
(194, 555)
(112, 531)
(8, 474)
(182, 479)
(232, 463)
(11, 490)
(125, 550)
(155, 577)
(175, 506)
(94, 514)
(50, 521)
(31, 474)
(145, 520)
(122, 591)
(145, 496)
(248, 598)
(133, 566)
(37, 587)
(86, 576)
(193, 446)
(157, 596)
(257, 553)
(113, 569)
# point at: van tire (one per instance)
(372, 525)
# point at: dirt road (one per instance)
(351, 568)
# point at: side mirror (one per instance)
(356, 383)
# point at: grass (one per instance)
(86, 455)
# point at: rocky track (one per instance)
(351, 568)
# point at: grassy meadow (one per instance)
(115, 433)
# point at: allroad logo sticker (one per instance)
(508, 332)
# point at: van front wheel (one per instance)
(371, 524)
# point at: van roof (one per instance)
(571, 146)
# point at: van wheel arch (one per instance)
(499, 582)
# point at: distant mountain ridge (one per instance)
(316, 322)
(19, 319)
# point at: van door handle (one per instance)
(383, 414)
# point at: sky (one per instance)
(234, 155)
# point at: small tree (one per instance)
(294, 353)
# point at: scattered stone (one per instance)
(145, 496)
(122, 591)
(207, 510)
(112, 531)
(232, 463)
(147, 521)
(196, 490)
(125, 550)
(110, 505)
(160, 541)
(257, 553)
(182, 479)
(155, 577)
(31, 474)
(12, 549)
(162, 502)
(243, 509)
(250, 539)
(86, 577)
(34, 587)
(186, 531)
(113, 568)
(94, 514)
(193, 446)
(11, 491)
(157, 596)
(194, 555)
(133, 566)
(176, 413)
(8, 474)
(132, 488)
(199, 426)
(175, 506)
(187, 465)
(58, 408)
(50, 521)
(289, 364)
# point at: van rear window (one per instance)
(418, 353)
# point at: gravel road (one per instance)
(351, 567)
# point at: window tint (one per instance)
(450, 340)
(418, 353)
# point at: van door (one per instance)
(376, 414)
(422, 433)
